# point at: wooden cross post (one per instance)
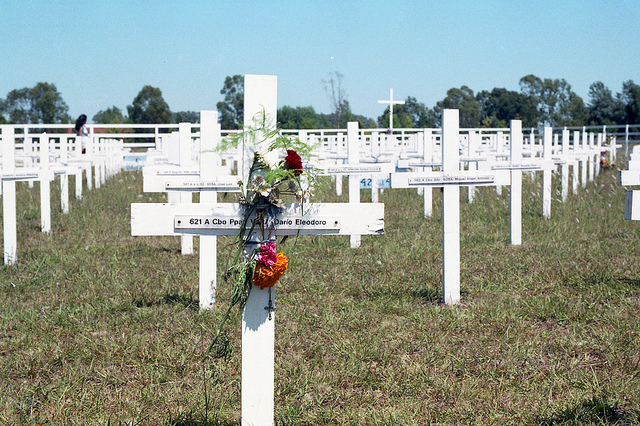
(45, 185)
(8, 176)
(9, 218)
(391, 103)
(209, 140)
(427, 164)
(258, 348)
(575, 163)
(450, 179)
(208, 179)
(631, 177)
(564, 165)
(583, 157)
(516, 141)
(547, 176)
(451, 208)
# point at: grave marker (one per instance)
(210, 219)
(9, 218)
(450, 179)
(391, 103)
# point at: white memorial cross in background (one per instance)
(9, 176)
(210, 219)
(355, 170)
(208, 181)
(631, 177)
(451, 178)
(157, 178)
(514, 167)
(391, 103)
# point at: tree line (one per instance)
(43, 104)
(540, 102)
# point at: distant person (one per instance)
(82, 132)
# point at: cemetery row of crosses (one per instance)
(273, 173)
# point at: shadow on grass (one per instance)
(194, 420)
(593, 411)
(603, 278)
(428, 294)
(173, 298)
(187, 300)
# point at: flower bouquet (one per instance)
(255, 261)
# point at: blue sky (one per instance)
(101, 53)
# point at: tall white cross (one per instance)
(211, 219)
(391, 102)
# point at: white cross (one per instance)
(391, 102)
(450, 179)
(210, 219)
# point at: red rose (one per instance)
(293, 162)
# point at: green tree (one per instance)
(297, 118)
(47, 105)
(630, 97)
(231, 109)
(463, 100)
(557, 104)
(410, 114)
(18, 106)
(149, 107)
(364, 122)
(41, 104)
(499, 106)
(603, 107)
(186, 117)
(3, 107)
(112, 115)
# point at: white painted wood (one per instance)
(9, 218)
(354, 180)
(546, 173)
(583, 158)
(209, 140)
(258, 330)
(156, 178)
(629, 177)
(450, 208)
(516, 141)
(184, 129)
(564, 165)
(391, 103)
(45, 185)
(632, 205)
(591, 158)
(149, 219)
(427, 194)
(472, 146)
(576, 165)
(64, 178)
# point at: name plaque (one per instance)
(517, 166)
(451, 180)
(19, 176)
(281, 222)
(425, 164)
(202, 185)
(354, 169)
(178, 172)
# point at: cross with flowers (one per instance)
(260, 216)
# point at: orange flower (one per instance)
(265, 276)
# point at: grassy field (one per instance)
(98, 327)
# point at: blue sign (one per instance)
(382, 183)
